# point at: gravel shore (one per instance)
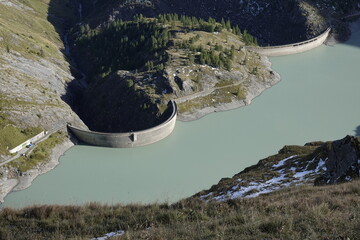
(24, 181)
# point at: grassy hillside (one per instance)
(327, 212)
(26, 29)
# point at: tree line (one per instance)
(209, 25)
(140, 44)
(124, 45)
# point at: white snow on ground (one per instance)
(110, 235)
(251, 189)
(206, 196)
(255, 189)
(348, 178)
(301, 175)
(321, 165)
(282, 162)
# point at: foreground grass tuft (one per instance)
(307, 212)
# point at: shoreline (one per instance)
(25, 181)
(254, 91)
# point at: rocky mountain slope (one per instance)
(34, 75)
(272, 22)
(34, 71)
(316, 163)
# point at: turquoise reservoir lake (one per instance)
(317, 99)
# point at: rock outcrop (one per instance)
(343, 163)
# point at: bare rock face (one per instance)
(343, 162)
(33, 90)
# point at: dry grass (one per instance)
(328, 212)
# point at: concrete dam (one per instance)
(129, 139)
(288, 49)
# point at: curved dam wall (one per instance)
(293, 48)
(128, 139)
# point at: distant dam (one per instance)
(129, 139)
(288, 49)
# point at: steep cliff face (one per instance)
(34, 73)
(343, 162)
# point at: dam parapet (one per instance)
(129, 139)
(294, 48)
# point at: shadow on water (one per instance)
(355, 30)
(357, 131)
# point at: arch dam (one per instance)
(288, 49)
(129, 139)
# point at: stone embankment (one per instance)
(129, 139)
(293, 48)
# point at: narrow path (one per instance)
(26, 150)
(355, 14)
(205, 92)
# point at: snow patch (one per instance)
(110, 235)
(301, 175)
(348, 178)
(282, 162)
(203, 197)
(321, 165)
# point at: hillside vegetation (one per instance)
(272, 22)
(307, 212)
(170, 57)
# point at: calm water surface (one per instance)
(317, 99)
